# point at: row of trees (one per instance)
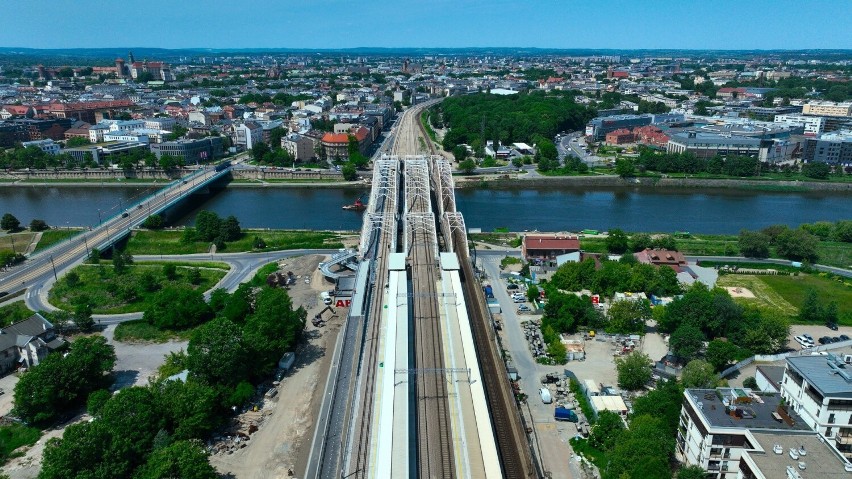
(34, 158)
(626, 274)
(11, 224)
(618, 242)
(211, 228)
(795, 244)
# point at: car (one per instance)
(843, 337)
(546, 398)
(808, 337)
(832, 326)
(836, 339)
(824, 340)
(511, 287)
(804, 342)
(125, 215)
(519, 300)
(524, 308)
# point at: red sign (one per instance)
(343, 303)
(596, 299)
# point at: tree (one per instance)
(698, 374)
(634, 371)
(349, 172)
(533, 293)
(273, 328)
(691, 472)
(217, 354)
(608, 427)
(817, 170)
(208, 225)
(616, 241)
(640, 241)
(663, 402)
(721, 353)
(194, 276)
(643, 450)
(797, 245)
(177, 307)
(259, 152)
(628, 317)
(665, 242)
(59, 383)
(170, 271)
(467, 166)
(754, 244)
(230, 229)
(38, 225)
(750, 382)
(72, 278)
(83, 317)
(184, 459)
(95, 256)
(624, 168)
(686, 342)
(191, 409)
(9, 222)
(153, 222)
(459, 152)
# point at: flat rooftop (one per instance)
(821, 460)
(741, 408)
(828, 374)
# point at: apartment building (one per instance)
(827, 108)
(813, 125)
(833, 148)
(717, 426)
(48, 146)
(819, 389)
(300, 147)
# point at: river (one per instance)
(716, 211)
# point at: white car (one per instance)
(804, 342)
(524, 308)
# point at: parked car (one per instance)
(524, 308)
(511, 286)
(843, 337)
(832, 326)
(804, 342)
(545, 395)
(824, 340)
(519, 300)
(808, 337)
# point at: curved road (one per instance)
(243, 267)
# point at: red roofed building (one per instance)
(548, 246)
(660, 257)
(336, 145)
(650, 135)
(610, 73)
(85, 111)
(620, 136)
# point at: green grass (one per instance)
(427, 125)
(169, 242)
(259, 278)
(794, 288)
(140, 331)
(15, 436)
(190, 264)
(14, 312)
(783, 295)
(51, 237)
(594, 455)
(101, 288)
(835, 254)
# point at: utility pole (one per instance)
(55, 278)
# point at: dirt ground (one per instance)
(280, 447)
(738, 292)
(7, 385)
(137, 362)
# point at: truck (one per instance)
(489, 291)
(565, 414)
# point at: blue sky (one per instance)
(689, 24)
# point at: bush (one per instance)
(750, 382)
(241, 394)
(38, 225)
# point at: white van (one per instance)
(545, 395)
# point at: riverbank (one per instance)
(609, 181)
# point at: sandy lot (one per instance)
(136, 362)
(281, 445)
(7, 385)
(738, 292)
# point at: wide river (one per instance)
(545, 209)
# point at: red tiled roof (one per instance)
(550, 243)
(335, 138)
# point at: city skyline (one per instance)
(613, 24)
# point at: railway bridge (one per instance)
(418, 387)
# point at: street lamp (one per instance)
(54, 268)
